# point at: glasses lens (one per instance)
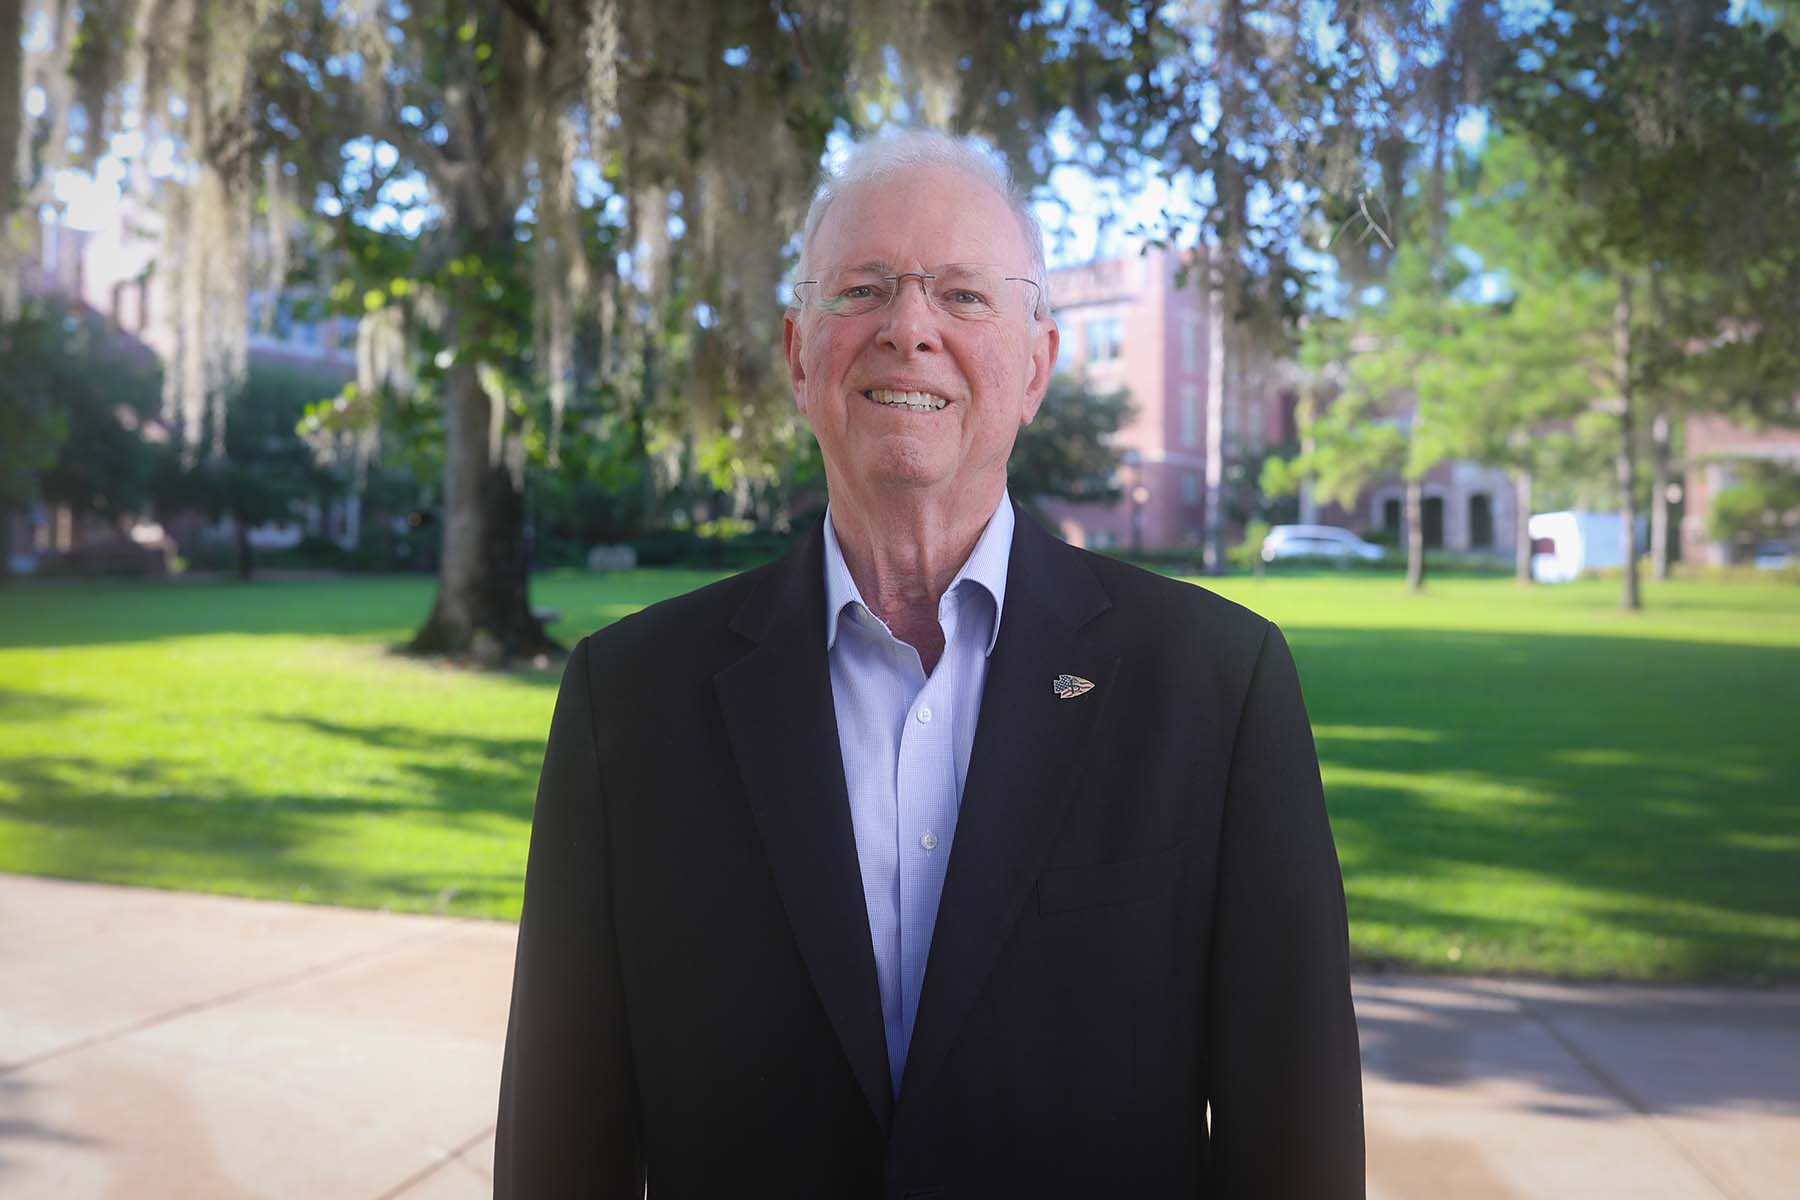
(969, 291)
(855, 291)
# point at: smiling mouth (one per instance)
(915, 401)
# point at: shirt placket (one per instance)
(926, 795)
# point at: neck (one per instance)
(903, 552)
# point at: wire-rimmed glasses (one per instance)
(967, 291)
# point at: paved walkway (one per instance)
(160, 1045)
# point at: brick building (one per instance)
(1127, 323)
(1715, 446)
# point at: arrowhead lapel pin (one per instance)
(1067, 687)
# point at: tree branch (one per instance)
(533, 19)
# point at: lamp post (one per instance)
(1131, 464)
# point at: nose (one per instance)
(909, 321)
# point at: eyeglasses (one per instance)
(967, 291)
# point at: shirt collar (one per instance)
(985, 566)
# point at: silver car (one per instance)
(1317, 541)
(1773, 556)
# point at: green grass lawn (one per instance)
(1520, 779)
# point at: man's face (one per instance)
(990, 373)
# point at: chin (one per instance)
(899, 467)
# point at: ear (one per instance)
(790, 342)
(1043, 361)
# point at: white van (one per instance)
(1564, 544)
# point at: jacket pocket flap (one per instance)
(1069, 888)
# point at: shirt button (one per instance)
(929, 841)
(925, 719)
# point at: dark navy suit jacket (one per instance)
(1138, 981)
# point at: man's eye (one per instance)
(964, 298)
(858, 291)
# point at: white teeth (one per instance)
(920, 401)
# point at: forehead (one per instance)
(926, 217)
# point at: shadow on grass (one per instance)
(466, 774)
(143, 822)
(514, 754)
(1658, 774)
(161, 809)
(388, 608)
(108, 613)
(1584, 805)
(478, 893)
(18, 707)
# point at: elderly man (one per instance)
(937, 858)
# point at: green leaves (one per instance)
(1762, 502)
(1066, 451)
(1490, 354)
(1674, 128)
(73, 404)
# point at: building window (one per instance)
(1481, 521)
(1390, 515)
(1290, 417)
(1251, 422)
(1190, 487)
(1190, 414)
(1434, 522)
(1190, 341)
(1105, 339)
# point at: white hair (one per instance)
(907, 151)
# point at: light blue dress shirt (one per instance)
(905, 738)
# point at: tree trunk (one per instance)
(483, 606)
(244, 564)
(1415, 534)
(1231, 47)
(12, 64)
(1309, 505)
(1659, 447)
(1625, 459)
(1213, 532)
(1522, 482)
(1659, 495)
(1439, 213)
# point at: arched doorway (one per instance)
(1481, 521)
(1390, 515)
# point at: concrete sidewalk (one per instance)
(159, 1045)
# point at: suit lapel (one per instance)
(1029, 744)
(783, 729)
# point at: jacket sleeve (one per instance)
(1285, 1077)
(568, 1120)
